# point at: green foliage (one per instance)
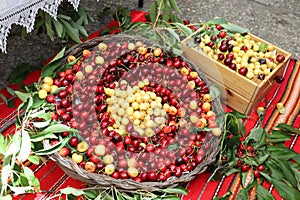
(69, 25)
(113, 193)
(281, 163)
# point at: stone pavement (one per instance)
(276, 21)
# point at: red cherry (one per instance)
(256, 174)
(243, 71)
(62, 94)
(280, 58)
(66, 117)
(261, 168)
(61, 74)
(127, 140)
(115, 175)
(152, 175)
(219, 27)
(222, 34)
(95, 159)
(150, 147)
(50, 99)
(64, 151)
(250, 148)
(199, 158)
(123, 175)
(245, 168)
(73, 141)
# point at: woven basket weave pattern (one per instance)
(104, 181)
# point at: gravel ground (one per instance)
(276, 21)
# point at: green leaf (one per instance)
(34, 159)
(80, 28)
(153, 12)
(25, 148)
(262, 47)
(177, 190)
(10, 91)
(23, 96)
(41, 124)
(243, 194)
(239, 115)
(186, 30)
(170, 198)
(173, 33)
(58, 56)
(120, 197)
(262, 159)
(58, 27)
(73, 191)
(275, 171)
(52, 149)
(262, 142)
(11, 103)
(31, 177)
(297, 175)
(91, 194)
(49, 28)
(288, 128)
(41, 114)
(250, 161)
(283, 189)
(217, 20)
(174, 6)
(255, 134)
(224, 197)
(21, 190)
(104, 195)
(214, 92)
(281, 152)
(4, 99)
(278, 136)
(28, 173)
(288, 173)
(263, 194)
(64, 17)
(72, 32)
(14, 145)
(57, 128)
(49, 69)
(234, 28)
(177, 51)
(2, 144)
(231, 171)
(5, 173)
(41, 136)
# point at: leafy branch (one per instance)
(69, 25)
(260, 156)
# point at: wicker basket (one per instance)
(104, 181)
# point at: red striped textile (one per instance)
(52, 178)
(289, 94)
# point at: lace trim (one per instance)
(23, 12)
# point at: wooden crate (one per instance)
(240, 93)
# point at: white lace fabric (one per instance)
(23, 12)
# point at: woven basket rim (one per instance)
(104, 181)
